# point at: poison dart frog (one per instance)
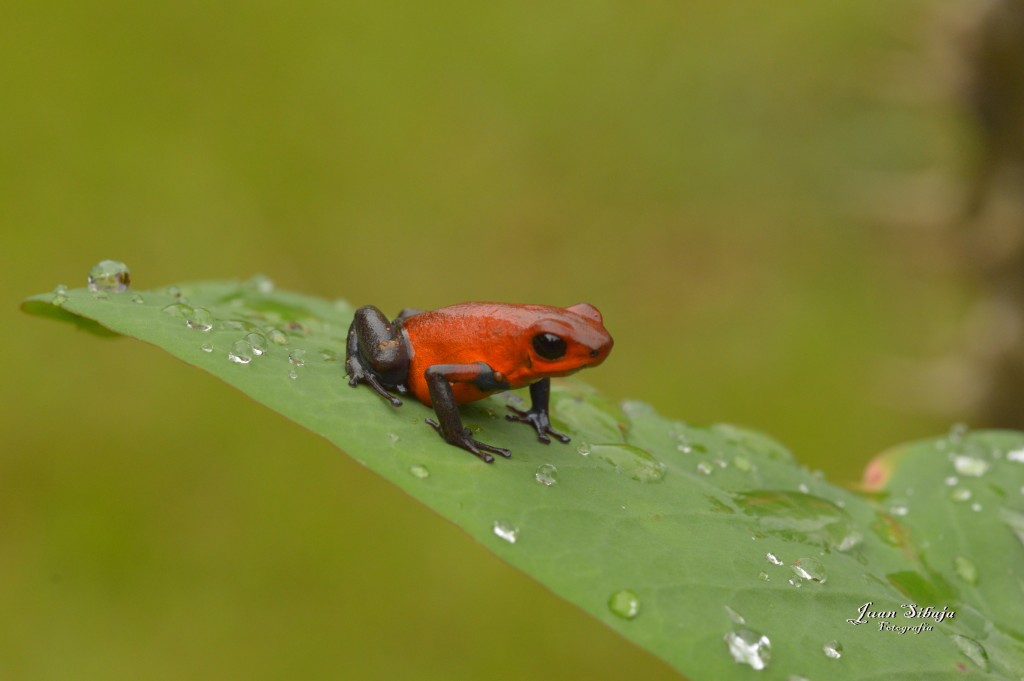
(465, 352)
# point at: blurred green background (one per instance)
(731, 183)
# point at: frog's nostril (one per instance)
(594, 353)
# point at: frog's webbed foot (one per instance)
(540, 422)
(357, 375)
(465, 440)
(537, 414)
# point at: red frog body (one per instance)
(465, 352)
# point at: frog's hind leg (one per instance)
(377, 353)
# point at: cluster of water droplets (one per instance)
(970, 461)
(247, 349)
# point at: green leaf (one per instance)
(709, 546)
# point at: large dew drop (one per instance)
(972, 650)
(241, 352)
(199, 319)
(809, 570)
(637, 463)
(749, 647)
(795, 516)
(258, 343)
(625, 604)
(109, 275)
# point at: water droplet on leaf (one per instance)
(960, 494)
(260, 283)
(637, 463)
(705, 468)
(810, 569)
(1014, 520)
(177, 310)
(734, 616)
(850, 541)
(546, 474)
(957, 432)
(773, 559)
(199, 319)
(258, 343)
(625, 604)
(506, 530)
(419, 471)
(973, 650)
(833, 649)
(970, 465)
(297, 357)
(241, 352)
(206, 347)
(749, 647)
(966, 569)
(138, 299)
(109, 275)
(277, 337)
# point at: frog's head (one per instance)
(563, 341)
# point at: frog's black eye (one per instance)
(548, 345)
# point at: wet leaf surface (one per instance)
(709, 546)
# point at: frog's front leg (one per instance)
(449, 424)
(537, 414)
(377, 353)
